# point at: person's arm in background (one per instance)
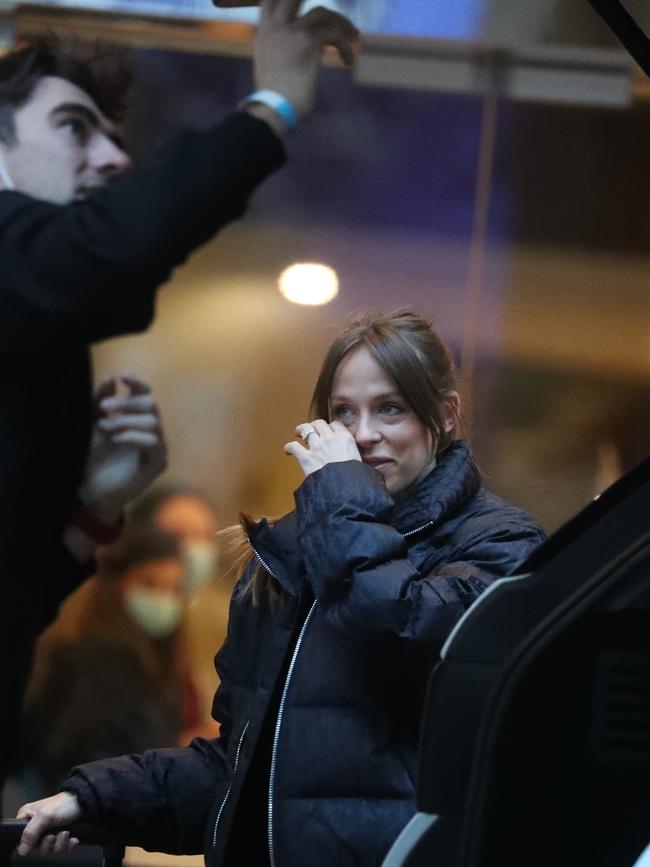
(280, 36)
(127, 452)
(88, 270)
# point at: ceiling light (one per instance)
(309, 283)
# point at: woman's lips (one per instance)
(378, 463)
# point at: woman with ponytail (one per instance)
(335, 623)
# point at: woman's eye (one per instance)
(342, 412)
(391, 408)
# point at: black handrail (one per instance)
(625, 28)
(88, 835)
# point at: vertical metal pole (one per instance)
(478, 241)
(7, 29)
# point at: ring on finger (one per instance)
(306, 433)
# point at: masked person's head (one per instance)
(147, 568)
(187, 514)
(60, 116)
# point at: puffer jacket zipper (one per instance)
(225, 798)
(285, 690)
(418, 529)
(263, 561)
(278, 723)
(278, 726)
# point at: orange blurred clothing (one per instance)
(101, 686)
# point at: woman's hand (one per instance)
(48, 815)
(325, 443)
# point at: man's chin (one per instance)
(54, 197)
(82, 193)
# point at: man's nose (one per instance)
(109, 158)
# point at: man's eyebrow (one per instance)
(91, 116)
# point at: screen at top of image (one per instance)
(432, 19)
(179, 8)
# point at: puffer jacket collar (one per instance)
(448, 487)
(277, 548)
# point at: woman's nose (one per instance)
(366, 432)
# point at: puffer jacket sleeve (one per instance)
(160, 800)
(360, 569)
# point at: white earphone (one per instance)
(6, 178)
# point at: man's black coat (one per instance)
(69, 276)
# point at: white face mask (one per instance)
(6, 178)
(157, 613)
(201, 562)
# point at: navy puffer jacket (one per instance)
(331, 682)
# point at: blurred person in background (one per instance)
(84, 246)
(340, 613)
(110, 674)
(190, 515)
(128, 663)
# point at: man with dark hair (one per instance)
(104, 74)
(81, 260)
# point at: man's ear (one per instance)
(451, 411)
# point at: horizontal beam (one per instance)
(573, 75)
(203, 37)
(570, 75)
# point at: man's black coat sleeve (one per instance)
(66, 573)
(89, 270)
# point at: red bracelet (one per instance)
(93, 527)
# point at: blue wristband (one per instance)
(278, 103)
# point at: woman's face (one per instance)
(387, 432)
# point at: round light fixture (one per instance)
(309, 283)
